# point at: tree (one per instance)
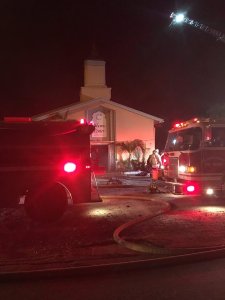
(130, 147)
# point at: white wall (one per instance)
(128, 126)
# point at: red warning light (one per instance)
(82, 121)
(165, 160)
(180, 125)
(70, 167)
(192, 188)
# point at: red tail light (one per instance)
(69, 167)
(190, 188)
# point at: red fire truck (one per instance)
(45, 162)
(194, 157)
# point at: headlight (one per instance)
(209, 191)
(182, 169)
(186, 169)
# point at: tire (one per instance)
(46, 204)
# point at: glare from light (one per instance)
(182, 169)
(98, 212)
(209, 191)
(179, 18)
(214, 209)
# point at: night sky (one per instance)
(167, 71)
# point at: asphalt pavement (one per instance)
(129, 223)
(187, 224)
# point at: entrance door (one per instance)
(99, 157)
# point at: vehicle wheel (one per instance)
(46, 204)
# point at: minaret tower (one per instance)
(94, 80)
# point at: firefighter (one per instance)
(154, 163)
(159, 157)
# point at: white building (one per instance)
(115, 123)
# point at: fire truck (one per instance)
(194, 157)
(46, 163)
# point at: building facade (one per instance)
(118, 127)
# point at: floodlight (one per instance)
(179, 18)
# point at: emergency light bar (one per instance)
(194, 121)
(186, 123)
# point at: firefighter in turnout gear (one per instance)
(154, 160)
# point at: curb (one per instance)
(117, 186)
(113, 267)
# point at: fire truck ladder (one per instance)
(181, 18)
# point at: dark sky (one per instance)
(170, 72)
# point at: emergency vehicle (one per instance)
(47, 163)
(194, 157)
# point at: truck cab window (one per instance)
(186, 139)
(217, 138)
